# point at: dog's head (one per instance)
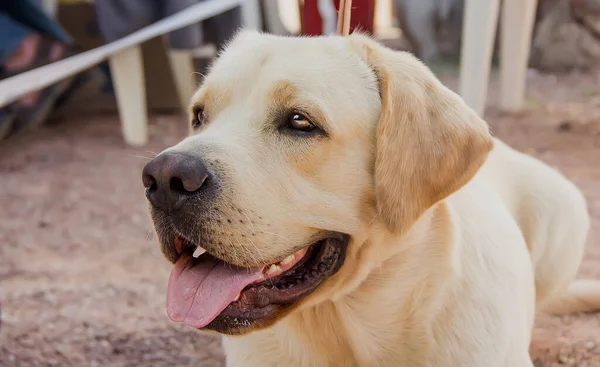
(300, 147)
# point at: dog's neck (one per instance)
(347, 332)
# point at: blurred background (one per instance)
(90, 91)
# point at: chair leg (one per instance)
(383, 14)
(127, 69)
(182, 68)
(518, 17)
(478, 34)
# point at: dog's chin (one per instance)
(272, 292)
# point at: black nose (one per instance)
(172, 178)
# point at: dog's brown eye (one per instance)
(299, 122)
(198, 118)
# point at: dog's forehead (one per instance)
(261, 58)
(254, 48)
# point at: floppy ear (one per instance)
(429, 143)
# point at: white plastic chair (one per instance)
(127, 69)
(479, 30)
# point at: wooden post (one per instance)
(344, 14)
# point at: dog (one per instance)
(336, 205)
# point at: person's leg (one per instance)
(417, 21)
(22, 23)
(34, 108)
(13, 35)
(30, 14)
(215, 30)
(23, 47)
(16, 46)
(187, 38)
(219, 29)
(118, 18)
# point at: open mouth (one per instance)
(206, 292)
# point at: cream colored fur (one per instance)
(456, 238)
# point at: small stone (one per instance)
(28, 343)
(590, 345)
(565, 126)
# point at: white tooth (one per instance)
(287, 260)
(273, 269)
(237, 297)
(198, 251)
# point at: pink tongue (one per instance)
(198, 293)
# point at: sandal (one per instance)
(7, 119)
(42, 57)
(29, 117)
(24, 118)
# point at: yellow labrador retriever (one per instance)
(336, 205)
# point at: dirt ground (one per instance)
(82, 281)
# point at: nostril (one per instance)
(149, 182)
(176, 185)
(185, 187)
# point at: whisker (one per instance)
(141, 156)
(277, 235)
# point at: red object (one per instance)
(363, 13)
